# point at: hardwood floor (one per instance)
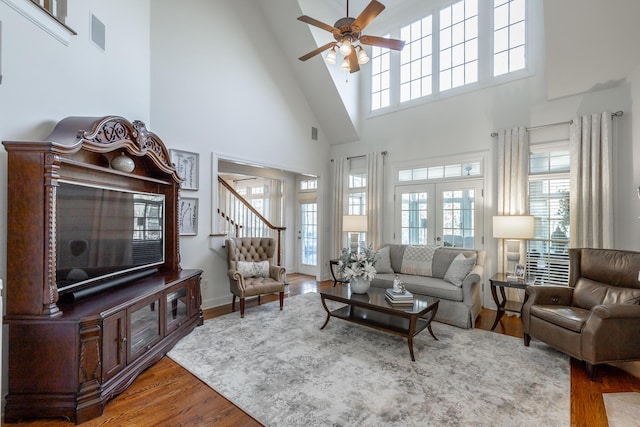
(168, 395)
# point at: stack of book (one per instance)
(398, 298)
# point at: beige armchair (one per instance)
(596, 319)
(251, 271)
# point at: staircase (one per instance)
(237, 218)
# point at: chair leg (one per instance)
(233, 303)
(281, 300)
(241, 308)
(258, 299)
(527, 340)
(591, 370)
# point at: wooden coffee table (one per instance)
(373, 310)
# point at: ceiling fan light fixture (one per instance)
(345, 64)
(331, 56)
(345, 47)
(363, 58)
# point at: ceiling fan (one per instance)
(347, 32)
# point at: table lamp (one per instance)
(354, 225)
(513, 229)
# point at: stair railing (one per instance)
(244, 218)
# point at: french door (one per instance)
(443, 214)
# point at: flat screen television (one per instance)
(104, 233)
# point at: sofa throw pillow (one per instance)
(459, 268)
(418, 260)
(383, 261)
(253, 269)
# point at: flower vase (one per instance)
(359, 285)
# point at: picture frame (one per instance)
(187, 166)
(519, 271)
(188, 216)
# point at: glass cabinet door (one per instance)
(144, 327)
(177, 308)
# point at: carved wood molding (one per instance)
(118, 130)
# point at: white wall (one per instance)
(220, 88)
(45, 81)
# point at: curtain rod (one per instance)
(568, 122)
(384, 153)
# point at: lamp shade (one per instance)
(354, 223)
(513, 227)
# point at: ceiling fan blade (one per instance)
(382, 42)
(311, 21)
(372, 10)
(317, 51)
(353, 62)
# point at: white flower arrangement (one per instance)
(358, 264)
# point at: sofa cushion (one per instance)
(421, 285)
(418, 260)
(443, 258)
(396, 252)
(383, 261)
(572, 318)
(459, 268)
(253, 269)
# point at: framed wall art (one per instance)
(188, 216)
(187, 167)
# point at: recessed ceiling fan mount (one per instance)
(347, 32)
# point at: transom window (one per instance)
(440, 171)
(468, 43)
(309, 184)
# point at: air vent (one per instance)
(314, 133)
(98, 32)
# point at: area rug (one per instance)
(279, 367)
(623, 409)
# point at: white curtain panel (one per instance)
(375, 175)
(591, 181)
(339, 174)
(513, 172)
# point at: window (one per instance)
(357, 197)
(459, 44)
(308, 184)
(509, 35)
(440, 171)
(416, 60)
(357, 194)
(547, 255)
(380, 77)
(464, 45)
(309, 233)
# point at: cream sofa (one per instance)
(423, 270)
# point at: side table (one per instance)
(500, 281)
(336, 279)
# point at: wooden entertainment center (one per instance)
(69, 355)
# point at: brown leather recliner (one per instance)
(596, 318)
(253, 250)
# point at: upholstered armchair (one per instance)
(596, 319)
(251, 271)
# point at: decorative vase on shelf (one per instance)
(123, 163)
(359, 285)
